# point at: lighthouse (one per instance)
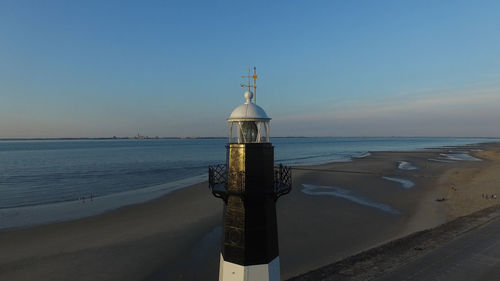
(249, 184)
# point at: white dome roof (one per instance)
(248, 111)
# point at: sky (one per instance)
(173, 68)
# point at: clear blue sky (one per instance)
(172, 68)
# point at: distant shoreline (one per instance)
(183, 138)
(108, 138)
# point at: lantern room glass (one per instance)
(248, 131)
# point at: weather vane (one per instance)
(249, 85)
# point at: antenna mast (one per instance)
(249, 85)
(255, 84)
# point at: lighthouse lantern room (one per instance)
(248, 123)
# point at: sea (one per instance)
(44, 181)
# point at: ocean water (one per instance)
(43, 173)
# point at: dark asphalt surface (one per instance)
(474, 255)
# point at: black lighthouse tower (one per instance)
(249, 184)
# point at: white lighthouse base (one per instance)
(261, 272)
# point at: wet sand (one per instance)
(177, 237)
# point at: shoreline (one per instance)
(174, 231)
(17, 218)
(21, 217)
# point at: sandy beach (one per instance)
(335, 210)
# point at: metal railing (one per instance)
(218, 179)
(282, 180)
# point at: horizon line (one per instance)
(219, 137)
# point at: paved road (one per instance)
(473, 256)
